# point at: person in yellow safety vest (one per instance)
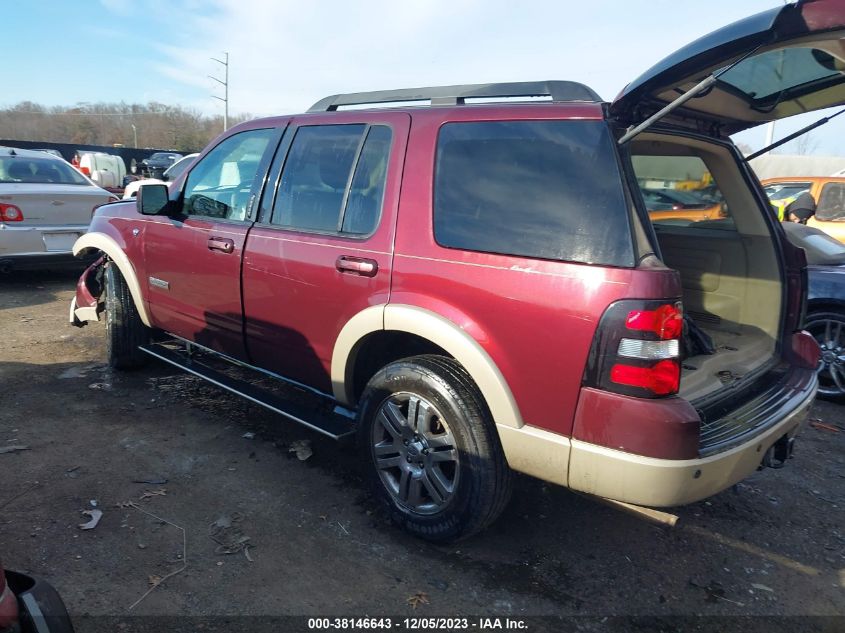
(780, 206)
(797, 208)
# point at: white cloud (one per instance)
(121, 7)
(284, 55)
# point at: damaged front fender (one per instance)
(87, 304)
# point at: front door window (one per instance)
(220, 185)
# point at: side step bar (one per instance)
(333, 426)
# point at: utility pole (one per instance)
(225, 84)
(770, 133)
(135, 134)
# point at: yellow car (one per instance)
(827, 191)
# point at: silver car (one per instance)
(45, 205)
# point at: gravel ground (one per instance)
(245, 527)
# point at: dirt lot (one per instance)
(773, 545)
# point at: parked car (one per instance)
(45, 205)
(664, 204)
(53, 152)
(475, 288)
(155, 165)
(827, 191)
(171, 173)
(30, 605)
(825, 318)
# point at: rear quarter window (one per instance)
(539, 189)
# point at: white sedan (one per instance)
(45, 205)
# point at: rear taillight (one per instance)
(796, 290)
(637, 350)
(10, 213)
(666, 321)
(803, 350)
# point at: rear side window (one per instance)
(543, 189)
(831, 206)
(333, 179)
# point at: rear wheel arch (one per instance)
(108, 246)
(435, 456)
(422, 326)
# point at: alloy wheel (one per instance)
(415, 454)
(830, 335)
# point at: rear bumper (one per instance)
(40, 607)
(28, 239)
(657, 482)
(38, 247)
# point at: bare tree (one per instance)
(157, 125)
(806, 144)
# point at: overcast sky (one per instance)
(285, 55)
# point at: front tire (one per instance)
(124, 329)
(434, 455)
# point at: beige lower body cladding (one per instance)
(664, 482)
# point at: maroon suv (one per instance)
(476, 287)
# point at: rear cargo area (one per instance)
(729, 269)
(732, 293)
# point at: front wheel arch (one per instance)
(109, 247)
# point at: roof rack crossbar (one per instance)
(454, 95)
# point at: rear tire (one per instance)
(124, 329)
(434, 455)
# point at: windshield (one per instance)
(178, 168)
(39, 170)
(782, 192)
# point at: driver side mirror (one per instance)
(153, 200)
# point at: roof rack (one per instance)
(454, 95)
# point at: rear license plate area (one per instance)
(59, 241)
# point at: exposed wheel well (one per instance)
(381, 348)
(824, 305)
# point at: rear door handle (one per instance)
(221, 244)
(357, 266)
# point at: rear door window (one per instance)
(831, 205)
(541, 189)
(333, 179)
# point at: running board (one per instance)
(334, 426)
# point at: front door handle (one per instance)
(221, 244)
(357, 266)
